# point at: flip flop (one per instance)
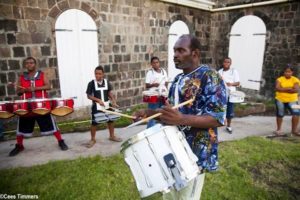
(115, 139)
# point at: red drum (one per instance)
(40, 106)
(20, 107)
(150, 96)
(163, 99)
(6, 110)
(62, 107)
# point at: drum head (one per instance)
(140, 136)
(150, 93)
(62, 111)
(5, 115)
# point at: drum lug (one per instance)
(172, 165)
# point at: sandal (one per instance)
(91, 143)
(115, 139)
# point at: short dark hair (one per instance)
(99, 68)
(154, 58)
(227, 58)
(29, 58)
(288, 67)
(194, 42)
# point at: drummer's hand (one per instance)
(100, 102)
(155, 84)
(170, 116)
(30, 89)
(115, 105)
(139, 114)
(229, 84)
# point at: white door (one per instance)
(77, 54)
(246, 49)
(177, 29)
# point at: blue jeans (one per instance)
(281, 107)
(1, 129)
(230, 110)
(153, 106)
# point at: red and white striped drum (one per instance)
(6, 110)
(62, 107)
(150, 96)
(40, 106)
(21, 107)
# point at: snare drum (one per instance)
(62, 107)
(6, 110)
(236, 97)
(40, 106)
(21, 107)
(150, 96)
(160, 160)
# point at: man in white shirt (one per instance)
(156, 81)
(232, 80)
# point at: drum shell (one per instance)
(40, 106)
(144, 153)
(236, 97)
(150, 99)
(21, 107)
(6, 110)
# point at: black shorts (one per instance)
(46, 123)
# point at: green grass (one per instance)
(252, 168)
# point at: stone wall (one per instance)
(282, 41)
(130, 33)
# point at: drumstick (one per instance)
(158, 114)
(116, 113)
(11, 83)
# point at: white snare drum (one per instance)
(236, 97)
(160, 159)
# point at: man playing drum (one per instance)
(232, 80)
(199, 120)
(156, 81)
(33, 84)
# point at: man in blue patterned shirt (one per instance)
(199, 120)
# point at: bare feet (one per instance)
(115, 139)
(278, 133)
(296, 134)
(91, 143)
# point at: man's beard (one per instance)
(184, 65)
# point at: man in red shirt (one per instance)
(33, 84)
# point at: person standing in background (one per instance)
(156, 79)
(232, 80)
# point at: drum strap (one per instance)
(101, 89)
